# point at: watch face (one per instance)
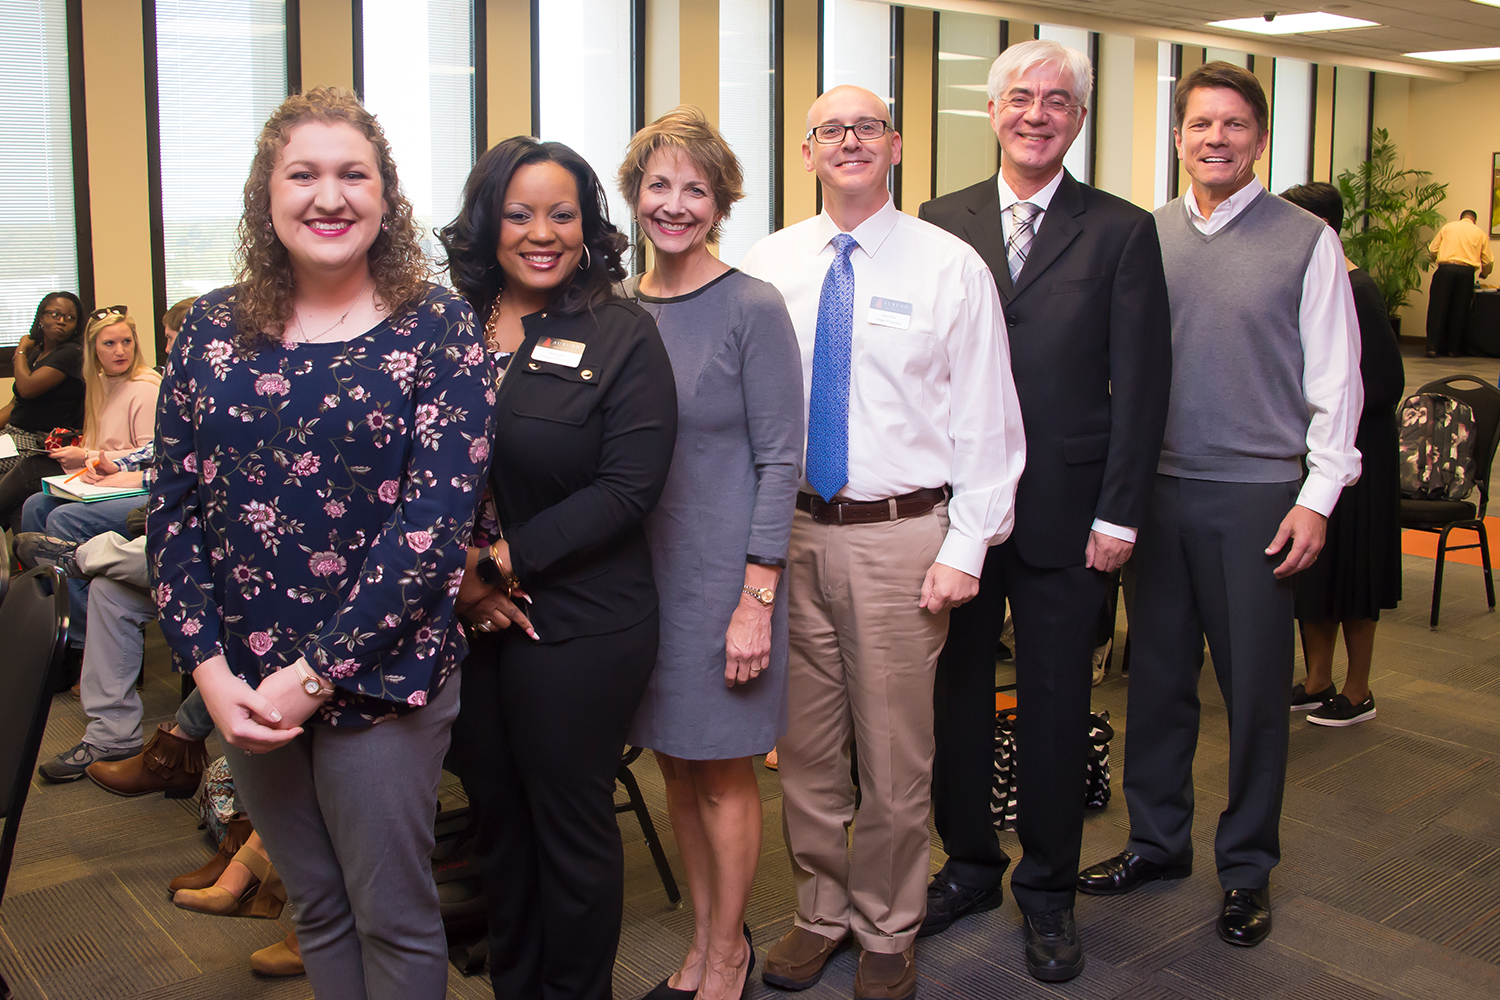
(488, 572)
(311, 686)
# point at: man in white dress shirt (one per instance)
(1265, 375)
(915, 446)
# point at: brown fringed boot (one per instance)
(167, 764)
(239, 832)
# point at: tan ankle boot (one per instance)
(239, 832)
(167, 764)
(263, 897)
(284, 958)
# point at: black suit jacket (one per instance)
(1091, 353)
(581, 455)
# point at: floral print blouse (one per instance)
(317, 500)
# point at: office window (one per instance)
(38, 241)
(1080, 158)
(1168, 58)
(1291, 124)
(221, 71)
(1350, 144)
(966, 148)
(419, 81)
(584, 79)
(1235, 56)
(857, 47)
(745, 119)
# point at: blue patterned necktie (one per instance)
(828, 403)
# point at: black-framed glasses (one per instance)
(109, 311)
(866, 131)
(56, 314)
(1054, 106)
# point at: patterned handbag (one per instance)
(1003, 804)
(216, 801)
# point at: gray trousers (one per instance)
(111, 661)
(1202, 571)
(347, 815)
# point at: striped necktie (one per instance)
(1022, 213)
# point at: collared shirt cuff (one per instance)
(1319, 495)
(963, 554)
(1114, 531)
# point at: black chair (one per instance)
(4, 565)
(34, 622)
(1442, 516)
(636, 804)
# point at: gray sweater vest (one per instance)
(1237, 412)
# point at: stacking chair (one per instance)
(1442, 516)
(34, 622)
(635, 803)
(4, 565)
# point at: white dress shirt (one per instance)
(931, 400)
(1043, 200)
(1330, 355)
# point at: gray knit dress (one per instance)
(730, 495)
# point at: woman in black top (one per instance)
(1359, 570)
(48, 368)
(585, 425)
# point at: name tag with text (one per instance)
(558, 352)
(889, 312)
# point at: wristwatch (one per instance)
(765, 595)
(489, 571)
(314, 685)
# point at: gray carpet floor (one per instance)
(1389, 884)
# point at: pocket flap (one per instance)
(1083, 448)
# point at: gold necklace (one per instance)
(340, 322)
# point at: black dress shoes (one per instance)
(1124, 872)
(1053, 952)
(1246, 917)
(947, 901)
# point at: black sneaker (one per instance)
(34, 548)
(71, 764)
(1339, 712)
(1304, 702)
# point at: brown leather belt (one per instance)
(871, 511)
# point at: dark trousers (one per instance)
(1055, 613)
(538, 744)
(1448, 301)
(23, 479)
(1202, 571)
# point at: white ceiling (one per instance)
(1410, 26)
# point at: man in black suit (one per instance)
(1080, 276)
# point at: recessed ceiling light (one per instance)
(1459, 55)
(1291, 24)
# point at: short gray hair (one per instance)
(1076, 68)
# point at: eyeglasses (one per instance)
(109, 311)
(56, 314)
(1055, 107)
(866, 131)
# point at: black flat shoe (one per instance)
(750, 965)
(664, 992)
(948, 901)
(1246, 917)
(1053, 951)
(1124, 872)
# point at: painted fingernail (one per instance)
(275, 716)
(532, 632)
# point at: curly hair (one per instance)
(471, 239)
(686, 130)
(265, 287)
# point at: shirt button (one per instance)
(533, 365)
(587, 373)
(1013, 320)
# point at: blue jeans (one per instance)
(76, 522)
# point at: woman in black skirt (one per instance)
(1359, 570)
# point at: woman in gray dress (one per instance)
(718, 537)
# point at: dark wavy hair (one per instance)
(78, 323)
(264, 291)
(472, 238)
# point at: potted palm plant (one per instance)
(1389, 215)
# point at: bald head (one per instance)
(847, 98)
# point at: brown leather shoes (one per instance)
(167, 764)
(284, 958)
(239, 832)
(887, 977)
(797, 960)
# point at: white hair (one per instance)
(1075, 68)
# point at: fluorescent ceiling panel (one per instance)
(1292, 24)
(1459, 55)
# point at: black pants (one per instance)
(1202, 571)
(1448, 301)
(17, 485)
(1055, 613)
(538, 743)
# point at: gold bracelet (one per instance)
(512, 582)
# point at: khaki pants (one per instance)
(863, 658)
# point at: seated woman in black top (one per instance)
(48, 394)
(585, 424)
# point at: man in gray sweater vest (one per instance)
(1265, 375)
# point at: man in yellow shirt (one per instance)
(1461, 248)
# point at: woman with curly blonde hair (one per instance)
(325, 423)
